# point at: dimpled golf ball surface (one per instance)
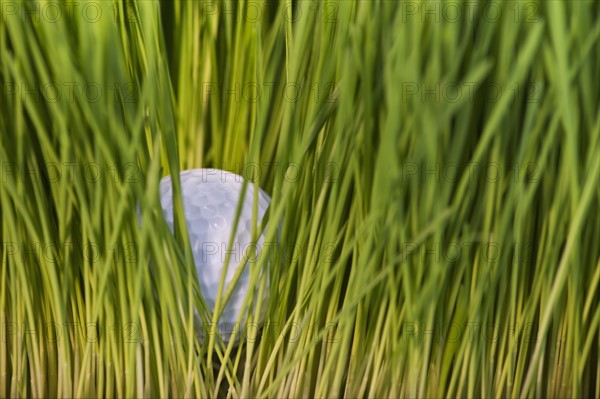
(210, 198)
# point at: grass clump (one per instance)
(436, 175)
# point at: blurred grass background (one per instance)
(435, 164)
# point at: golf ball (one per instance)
(210, 198)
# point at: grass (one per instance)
(436, 175)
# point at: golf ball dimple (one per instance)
(208, 211)
(210, 198)
(217, 223)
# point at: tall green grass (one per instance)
(436, 175)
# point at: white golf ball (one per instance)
(210, 198)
